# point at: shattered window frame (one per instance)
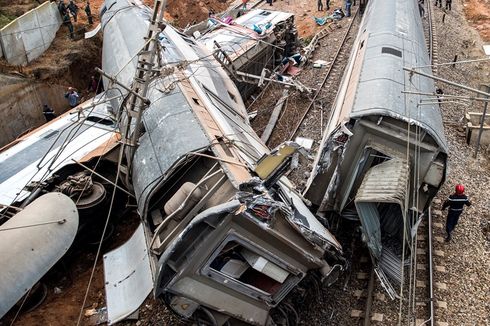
(291, 280)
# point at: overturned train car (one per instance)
(383, 155)
(224, 237)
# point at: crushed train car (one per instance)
(224, 235)
(383, 155)
(252, 46)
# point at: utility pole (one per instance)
(485, 88)
(137, 101)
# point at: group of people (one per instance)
(448, 4)
(348, 5)
(70, 10)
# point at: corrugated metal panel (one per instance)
(385, 182)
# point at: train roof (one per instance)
(195, 106)
(392, 43)
(40, 153)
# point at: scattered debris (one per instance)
(274, 117)
(306, 143)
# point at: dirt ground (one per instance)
(71, 62)
(478, 15)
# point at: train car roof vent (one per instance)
(392, 51)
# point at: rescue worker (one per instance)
(439, 2)
(73, 8)
(448, 4)
(72, 97)
(48, 113)
(67, 23)
(319, 5)
(348, 4)
(62, 8)
(439, 93)
(89, 13)
(456, 203)
(327, 2)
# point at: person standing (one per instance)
(72, 7)
(456, 203)
(72, 97)
(244, 5)
(348, 4)
(89, 13)
(448, 4)
(62, 8)
(67, 23)
(439, 2)
(327, 2)
(319, 5)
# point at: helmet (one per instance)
(459, 189)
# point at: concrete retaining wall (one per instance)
(473, 128)
(27, 37)
(22, 103)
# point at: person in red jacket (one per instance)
(456, 203)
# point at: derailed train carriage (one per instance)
(223, 237)
(383, 155)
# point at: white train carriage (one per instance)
(383, 155)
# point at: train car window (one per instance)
(248, 268)
(362, 45)
(391, 51)
(102, 121)
(50, 134)
(265, 13)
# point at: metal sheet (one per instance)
(384, 71)
(128, 277)
(41, 153)
(28, 250)
(93, 32)
(172, 131)
(306, 222)
(383, 183)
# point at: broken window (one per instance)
(248, 270)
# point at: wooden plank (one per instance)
(274, 117)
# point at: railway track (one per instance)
(325, 93)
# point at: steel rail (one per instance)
(332, 65)
(369, 300)
(431, 289)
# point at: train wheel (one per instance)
(203, 317)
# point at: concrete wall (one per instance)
(27, 37)
(473, 128)
(22, 103)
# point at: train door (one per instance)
(381, 205)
